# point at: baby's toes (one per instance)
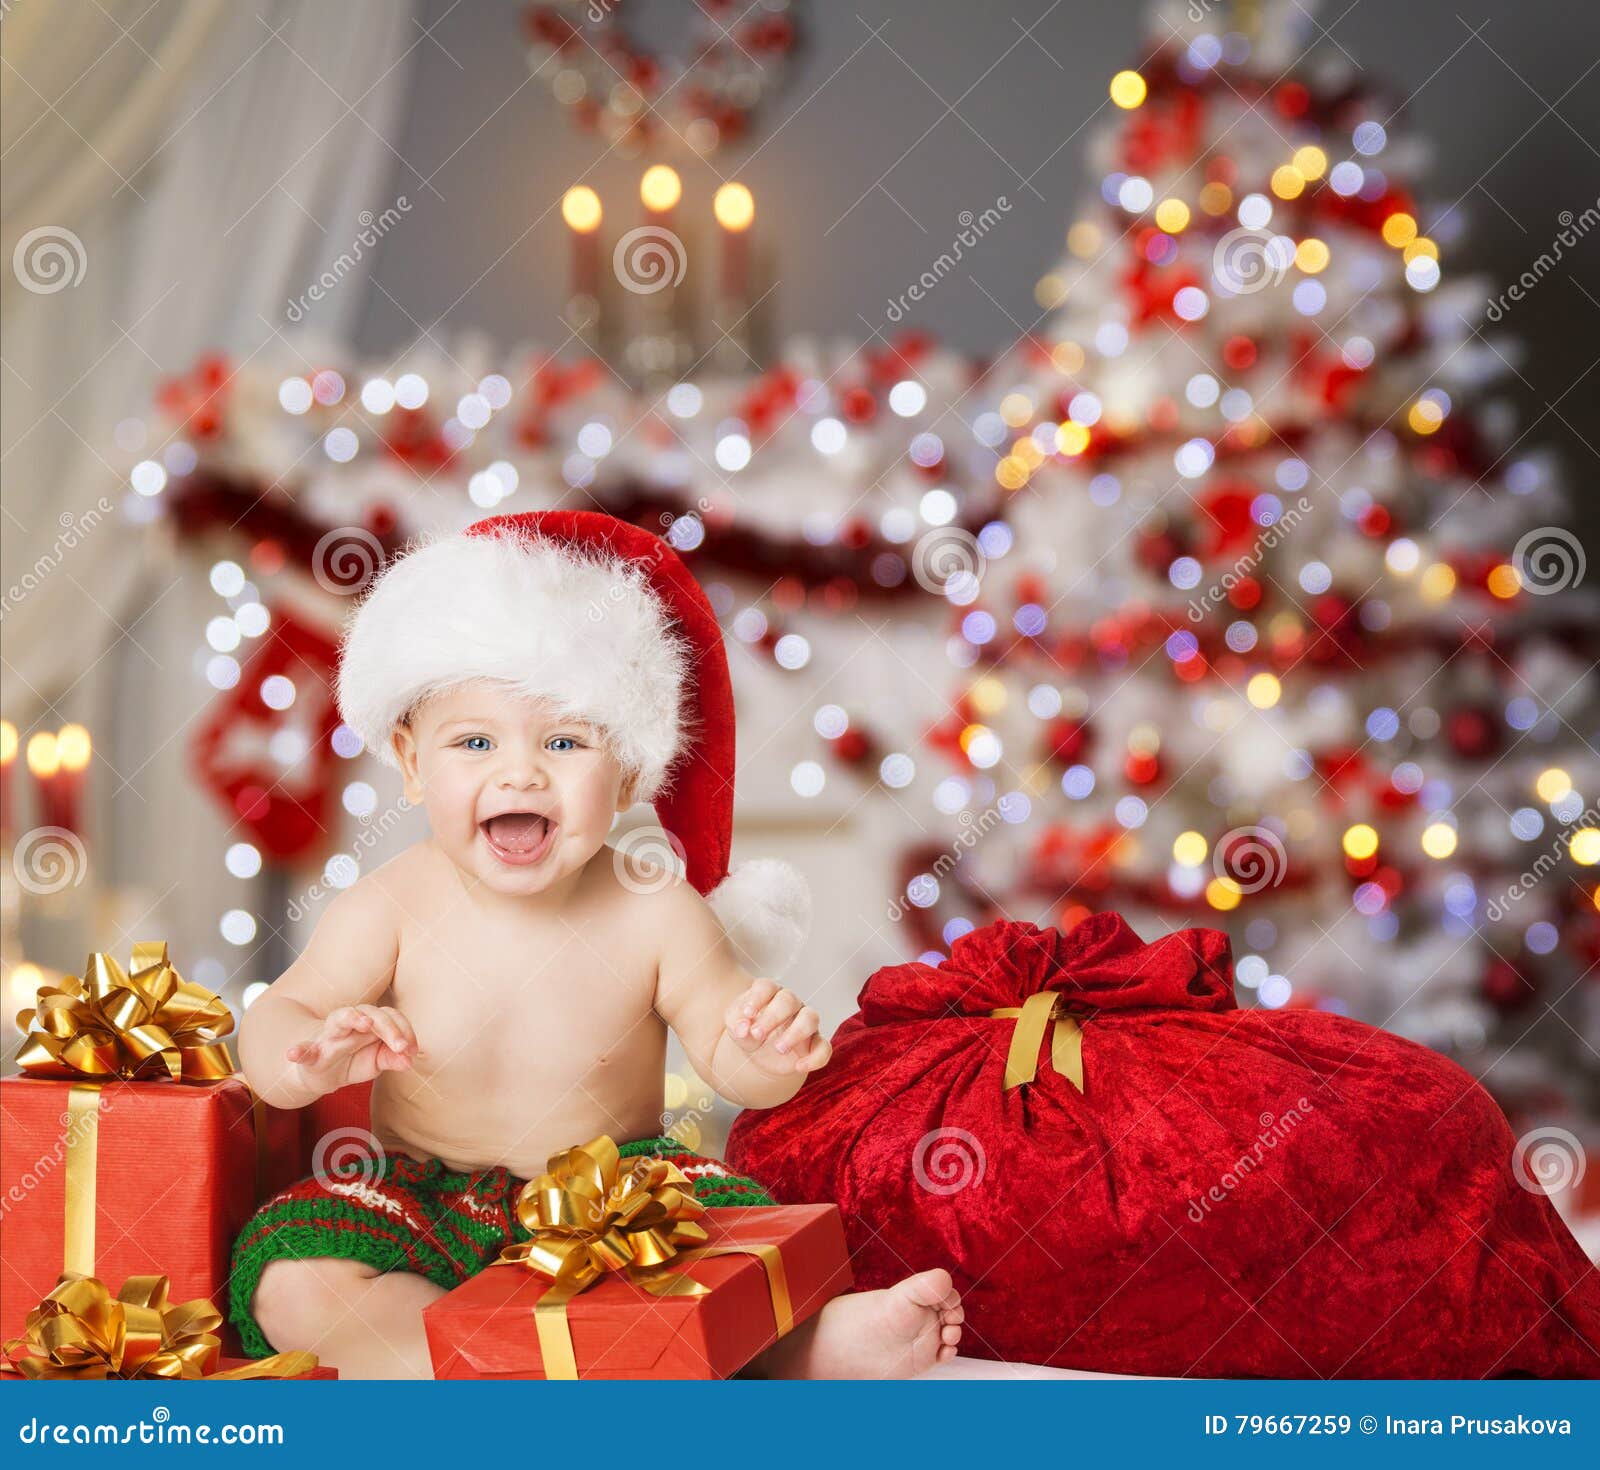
(933, 1289)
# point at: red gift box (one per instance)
(165, 1175)
(485, 1327)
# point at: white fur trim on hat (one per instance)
(550, 620)
(765, 909)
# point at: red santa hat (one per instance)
(606, 622)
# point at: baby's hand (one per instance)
(354, 1044)
(775, 1031)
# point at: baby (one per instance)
(507, 984)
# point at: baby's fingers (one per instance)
(321, 1053)
(740, 1015)
(343, 1021)
(816, 1057)
(386, 1023)
(407, 1030)
(777, 1014)
(390, 1060)
(798, 1032)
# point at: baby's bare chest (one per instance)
(493, 1002)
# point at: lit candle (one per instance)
(735, 210)
(44, 764)
(8, 759)
(580, 208)
(72, 749)
(661, 344)
(660, 190)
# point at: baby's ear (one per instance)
(404, 743)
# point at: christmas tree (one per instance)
(1280, 630)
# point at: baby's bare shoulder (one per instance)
(407, 879)
(641, 889)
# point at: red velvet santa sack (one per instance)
(1227, 1193)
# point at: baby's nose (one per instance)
(523, 771)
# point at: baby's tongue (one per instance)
(517, 831)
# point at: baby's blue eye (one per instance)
(566, 742)
(482, 742)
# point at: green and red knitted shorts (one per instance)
(405, 1215)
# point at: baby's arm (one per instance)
(751, 1039)
(316, 1029)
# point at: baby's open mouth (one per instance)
(519, 837)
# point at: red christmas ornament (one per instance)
(1068, 741)
(1157, 550)
(1339, 624)
(1245, 594)
(852, 748)
(1505, 987)
(413, 438)
(197, 399)
(1239, 353)
(287, 808)
(1227, 524)
(1473, 733)
(1142, 767)
(1293, 98)
(858, 405)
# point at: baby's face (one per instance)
(518, 796)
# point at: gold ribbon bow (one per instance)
(127, 1024)
(589, 1220)
(81, 1331)
(1066, 1040)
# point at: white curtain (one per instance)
(174, 173)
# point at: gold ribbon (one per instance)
(589, 1220)
(82, 1169)
(1066, 1040)
(81, 1331)
(145, 1021)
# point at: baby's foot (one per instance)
(895, 1333)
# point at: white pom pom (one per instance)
(765, 908)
